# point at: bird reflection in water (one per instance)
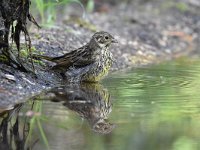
(90, 100)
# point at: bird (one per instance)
(89, 63)
(91, 101)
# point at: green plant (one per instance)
(182, 6)
(35, 122)
(90, 5)
(48, 9)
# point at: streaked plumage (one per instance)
(90, 62)
(90, 100)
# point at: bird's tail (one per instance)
(35, 56)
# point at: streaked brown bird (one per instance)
(91, 101)
(89, 63)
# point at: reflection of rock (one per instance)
(11, 136)
(90, 101)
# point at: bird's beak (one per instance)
(114, 41)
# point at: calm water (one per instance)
(150, 108)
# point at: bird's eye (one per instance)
(106, 37)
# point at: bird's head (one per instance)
(103, 39)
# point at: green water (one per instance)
(151, 108)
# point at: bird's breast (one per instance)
(97, 70)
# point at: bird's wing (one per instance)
(83, 59)
(78, 58)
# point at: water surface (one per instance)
(153, 107)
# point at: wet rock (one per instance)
(10, 77)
